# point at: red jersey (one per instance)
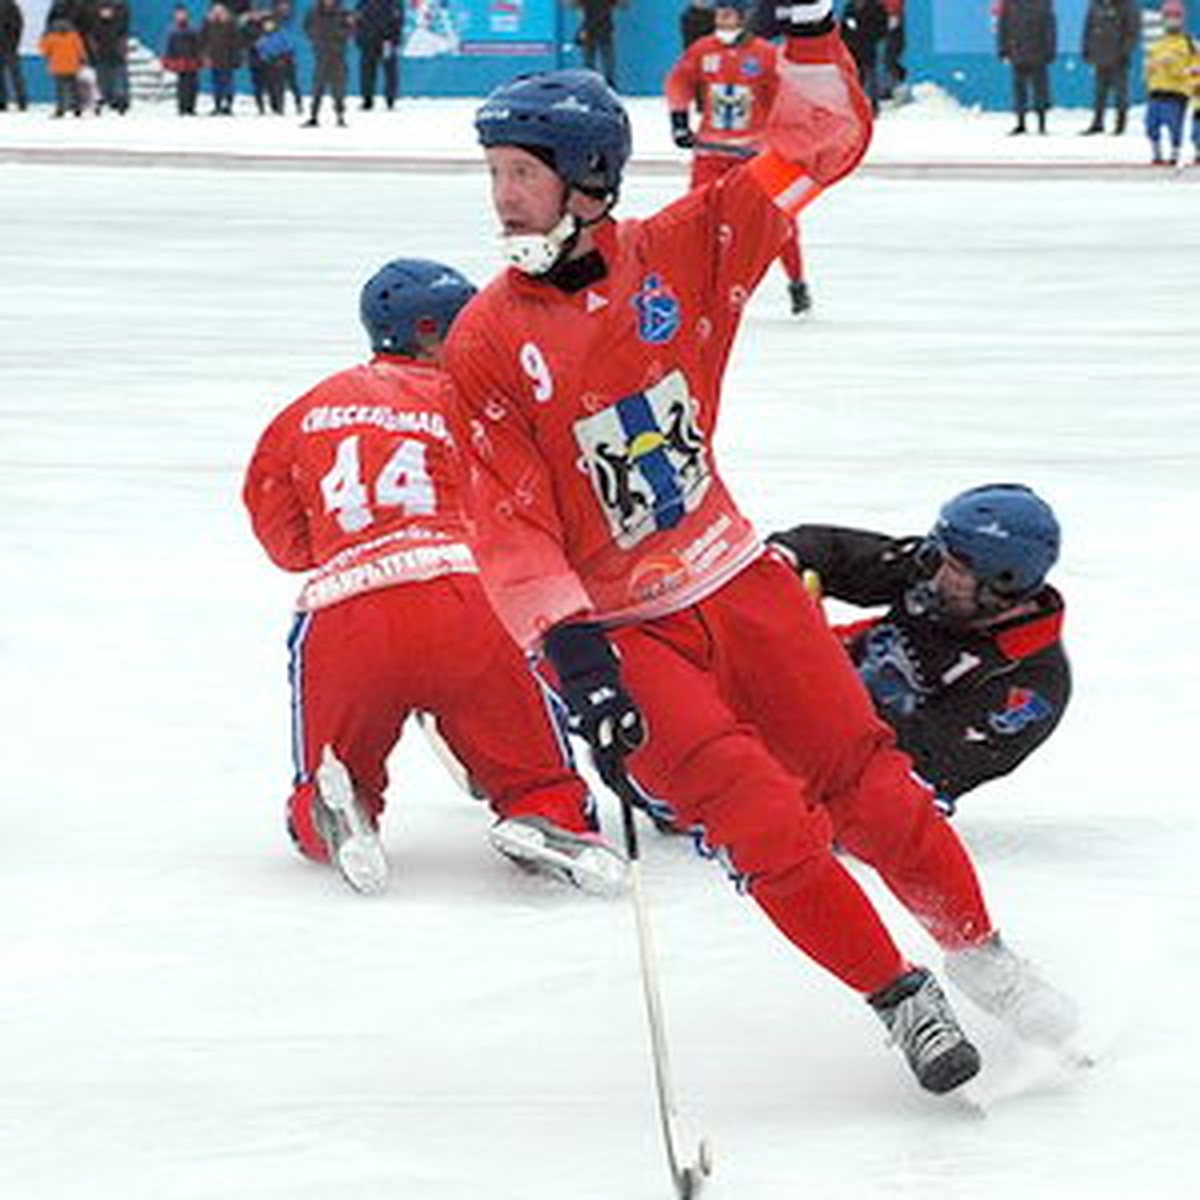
(592, 414)
(359, 479)
(732, 86)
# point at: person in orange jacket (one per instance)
(65, 54)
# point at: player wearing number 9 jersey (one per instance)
(590, 374)
(357, 482)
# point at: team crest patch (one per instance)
(658, 311)
(1022, 707)
(646, 459)
(751, 66)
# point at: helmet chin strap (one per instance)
(537, 253)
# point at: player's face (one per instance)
(526, 194)
(727, 19)
(957, 588)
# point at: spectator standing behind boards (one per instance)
(596, 38)
(328, 26)
(12, 25)
(1028, 42)
(1172, 66)
(220, 40)
(250, 23)
(182, 57)
(108, 49)
(276, 48)
(65, 56)
(894, 83)
(377, 27)
(286, 64)
(1110, 33)
(864, 26)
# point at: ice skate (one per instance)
(921, 1022)
(582, 859)
(1008, 988)
(799, 296)
(348, 832)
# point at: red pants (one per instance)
(708, 167)
(761, 734)
(359, 668)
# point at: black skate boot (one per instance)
(799, 295)
(920, 1021)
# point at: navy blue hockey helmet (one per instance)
(1004, 533)
(572, 116)
(410, 297)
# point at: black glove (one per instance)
(601, 710)
(793, 18)
(681, 131)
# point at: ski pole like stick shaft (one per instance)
(731, 149)
(687, 1179)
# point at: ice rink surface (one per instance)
(187, 1012)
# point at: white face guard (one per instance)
(536, 253)
(728, 36)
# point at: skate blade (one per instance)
(359, 857)
(594, 869)
(363, 864)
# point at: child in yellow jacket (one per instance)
(1172, 74)
(65, 55)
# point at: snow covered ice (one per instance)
(187, 1011)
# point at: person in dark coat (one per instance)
(596, 36)
(377, 27)
(329, 27)
(1027, 37)
(1110, 34)
(107, 37)
(12, 25)
(182, 57)
(864, 26)
(967, 663)
(221, 42)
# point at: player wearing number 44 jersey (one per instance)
(357, 482)
(590, 373)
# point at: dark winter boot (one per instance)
(1018, 128)
(921, 1022)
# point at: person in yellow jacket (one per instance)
(65, 54)
(1172, 74)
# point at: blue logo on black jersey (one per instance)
(1022, 707)
(658, 311)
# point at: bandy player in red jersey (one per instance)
(731, 77)
(358, 482)
(590, 372)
